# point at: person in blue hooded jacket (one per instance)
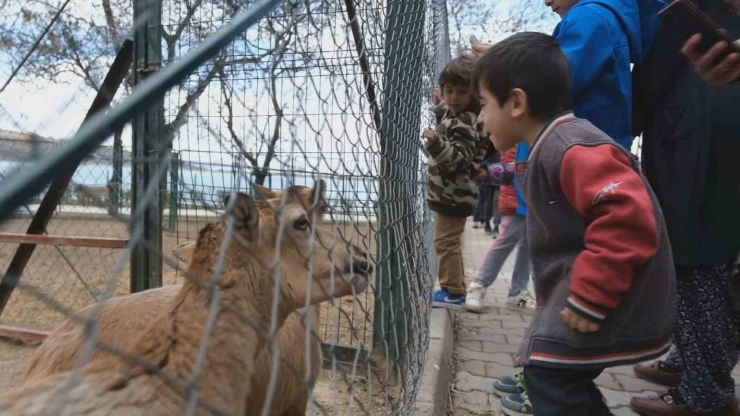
(601, 39)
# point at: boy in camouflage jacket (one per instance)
(456, 148)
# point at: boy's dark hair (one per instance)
(532, 62)
(458, 71)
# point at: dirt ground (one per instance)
(60, 272)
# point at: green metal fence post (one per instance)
(174, 189)
(146, 267)
(401, 100)
(116, 181)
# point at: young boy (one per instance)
(456, 149)
(513, 235)
(600, 254)
(600, 40)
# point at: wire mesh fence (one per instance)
(276, 191)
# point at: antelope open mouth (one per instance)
(360, 269)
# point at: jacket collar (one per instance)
(549, 127)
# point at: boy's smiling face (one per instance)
(560, 7)
(457, 97)
(496, 120)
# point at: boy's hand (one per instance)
(577, 322)
(724, 73)
(428, 133)
(437, 96)
(480, 49)
(481, 176)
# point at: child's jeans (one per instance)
(559, 392)
(513, 233)
(447, 241)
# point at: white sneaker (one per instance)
(523, 302)
(474, 298)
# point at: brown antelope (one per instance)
(113, 385)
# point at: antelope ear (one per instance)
(264, 192)
(184, 251)
(246, 217)
(319, 191)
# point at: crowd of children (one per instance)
(585, 221)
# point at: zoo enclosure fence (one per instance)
(333, 90)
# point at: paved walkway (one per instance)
(487, 342)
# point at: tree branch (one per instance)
(73, 46)
(182, 112)
(226, 92)
(111, 22)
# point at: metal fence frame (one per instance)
(402, 177)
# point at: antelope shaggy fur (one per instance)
(171, 344)
(124, 317)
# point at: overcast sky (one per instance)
(336, 120)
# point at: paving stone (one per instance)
(607, 380)
(475, 404)
(492, 406)
(477, 368)
(466, 382)
(468, 336)
(471, 345)
(615, 399)
(476, 398)
(467, 316)
(464, 412)
(498, 371)
(491, 317)
(511, 325)
(467, 355)
(507, 331)
(480, 324)
(514, 339)
(499, 347)
(501, 311)
(634, 384)
(502, 331)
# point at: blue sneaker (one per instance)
(443, 299)
(517, 405)
(509, 385)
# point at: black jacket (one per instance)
(492, 156)
(691, 146)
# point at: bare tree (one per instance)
(86, 38)
(467, 17)
(490, 20)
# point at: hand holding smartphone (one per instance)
(688, 17)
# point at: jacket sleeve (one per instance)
(457, 152)
(501, 173)
(580, 36)
(439, 111)
(621, 235)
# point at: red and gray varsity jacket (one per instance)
(599, 247)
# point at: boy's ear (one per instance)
(519, 102)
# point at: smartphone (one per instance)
(685, 15)
(474, 40)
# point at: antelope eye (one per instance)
(301, 224)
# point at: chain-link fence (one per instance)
(314, 111)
